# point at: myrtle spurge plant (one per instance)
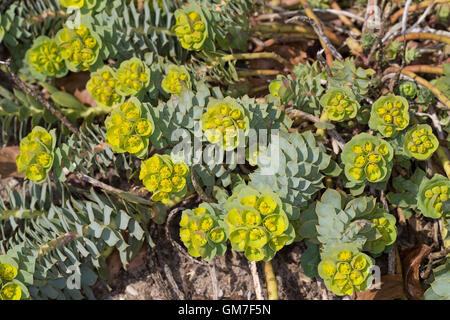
(176, 79)
(420, 142)
(339, 104)
(203, 231)
(367, 158)
(389, 115)
(225, 122)
(45, 58)
(129, 127)
(346, 270)
(132, 77)
(164, 178)
(36, 154)
(103, 87)
(10, 288)
(280, 88)
(257, 223)
(408, 89)
(432, 196)
(386, 230)
(79, 47)
(191, 28)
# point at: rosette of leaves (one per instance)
(164, 178)
(176, 80)
(10, 286)
(79, 48)
(389, 115)
(191, 27)
(298, 172)
(339, 104)
(36, 154)
(367, 158)
(280, 88)
(225, 122)
(129, 127)
(433, 193)
(408, 89)
(346, 74)
(203, 231)
(420, 142)
(338, 219)
(346, 270)
(133, 76)
(45, 59)
(102, 87)
(257, 223)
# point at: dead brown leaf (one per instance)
(75, 83)
(391, 289)
(8, 166)
(411, 260)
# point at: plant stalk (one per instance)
(271, 281)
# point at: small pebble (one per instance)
(130, 290)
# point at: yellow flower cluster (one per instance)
(389, 115)
(102, 87)
(45, 58)
(78, 47)
(9, 290)
(339, 104)
(190, 29)
(163, 177)
(129, 127)
(346, 272)
(439, 194)
(36, 154)
(132, 76)
(420, 142)
(223, 122)
(176, 79)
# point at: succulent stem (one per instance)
(442, 155)
(257, 55)
(271, 281)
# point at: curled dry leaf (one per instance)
(391, 289)
(8, 166)
(411, 260)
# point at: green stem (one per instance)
(271, 281)
(256, 55)
(442, 155)
(21, 214)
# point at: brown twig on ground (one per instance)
(256, 282)
(344, 19)
(416, 7)
(25, 87)
(97, 183)
(379, 37)
(420, 69)
(256, 55)
(423, 36)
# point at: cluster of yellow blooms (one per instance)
(132, 76)
(9, 290)
(163, 177)
(45, 57)
(190, 29)
(346, 272)
(339, 104)
(79, 47)
(36, 154)
(389, 115)
(420, 142)
(102, 87)
(129, 127)
(223, 122)
(176, 79)
(439, 194)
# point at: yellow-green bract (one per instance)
(102, 87)
(191, 28)
(129, 127)
(384, 223)
(420, 142)
(10, 288)
(367, 158)
(339, 104)
(346, 270)
(45, 59)
(432, 195)
(408, 89)
(389, 115)
(176, 79)
(36, 154)
(256, 223)
(79, 47)
(132, 76)
(225, 122)
(163, 177)
(280, 88)
(88, 4)
(203, 232)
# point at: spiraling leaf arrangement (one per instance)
(389, 115)
(367, 157)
